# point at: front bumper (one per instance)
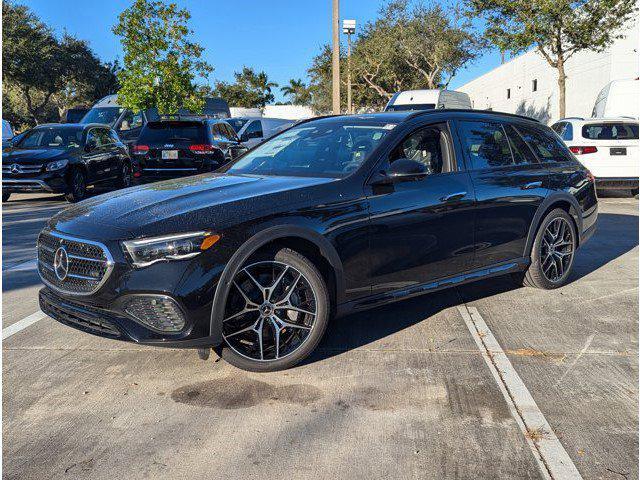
(114, 324)
(621, 183)
(49, 182)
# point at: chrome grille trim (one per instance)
(107, 262)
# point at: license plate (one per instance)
(618, 151)
(169, 154)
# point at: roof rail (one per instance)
(169, 117)
(467, 110)
(571, 118)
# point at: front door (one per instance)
(421, 229)
(510, 185)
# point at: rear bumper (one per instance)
(617, 182)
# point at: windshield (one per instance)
(160, 132)
(610, 131)
(107, 115)
(410, 106)
(320, 149)
(236, 123)
(52, 137)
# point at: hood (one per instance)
(34, 156)
(180, 205)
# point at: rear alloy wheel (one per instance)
(276, 312)
(77, 186)
(553, 252)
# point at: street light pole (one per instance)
(349, 27)
(336, 57)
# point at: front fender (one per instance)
(251, 246)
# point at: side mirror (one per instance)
(405, 169)
(90, 145)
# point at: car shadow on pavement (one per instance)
(616, 235)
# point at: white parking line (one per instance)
(552, 458)
(22, 324)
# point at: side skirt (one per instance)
(515, 265)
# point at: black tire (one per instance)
(313, 279)
(5, 197)
(544, 263)
(126, 175)
(77, 186)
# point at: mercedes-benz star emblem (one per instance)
(61, 263)
(15, 168)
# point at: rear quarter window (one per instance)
(547, 145)
(610, 131)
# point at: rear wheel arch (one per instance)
(558, 200)
(305, 241)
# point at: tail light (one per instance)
(140, 149)
(201, 149)
(583, 150)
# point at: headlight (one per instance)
(145, 251)
(57, 165)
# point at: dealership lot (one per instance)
(403, 391)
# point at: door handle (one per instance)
(530, 185)
(453, 196)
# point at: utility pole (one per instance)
(335, 22)
(349, 28)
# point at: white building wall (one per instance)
(587, 72)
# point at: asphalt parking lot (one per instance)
(411, 390)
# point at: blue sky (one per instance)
(277, 36)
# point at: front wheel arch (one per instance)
(279, 235)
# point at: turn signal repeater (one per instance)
(209, 241)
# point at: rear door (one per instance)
(510, 184)
(609, 149)
(97, 159)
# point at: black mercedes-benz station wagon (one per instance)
(331, 216)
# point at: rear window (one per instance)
(157, 132)
(610, 131)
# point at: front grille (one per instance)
(88, 263)
(15, 168)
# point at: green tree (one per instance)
(161, 63)
(298, 92)
(42, 74)
(249, 90)
(557, 29)
(409, 46)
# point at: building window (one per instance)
(534, 85)
(508, 93)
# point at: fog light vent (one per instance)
(158, 312)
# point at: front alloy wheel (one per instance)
(77, 186)
(276, 312)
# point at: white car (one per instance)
(255, 130)
(608, 147)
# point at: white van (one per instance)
(619, 98)
(427, 100)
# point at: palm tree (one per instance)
(297, 91)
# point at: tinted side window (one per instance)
(564, 129)
(254, 130)
(429, 146)
(522, 154)
(218, 133)
(103, 136)
(485, 144)
(547, 146)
